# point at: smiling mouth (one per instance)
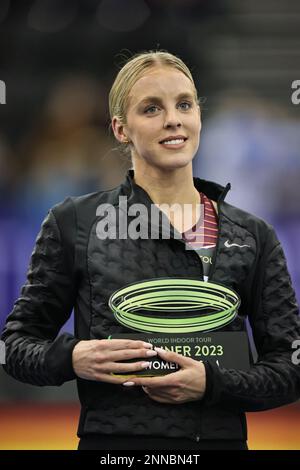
(174, 143)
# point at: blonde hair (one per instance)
(133, 70)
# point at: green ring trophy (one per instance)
(174, 305)
(182, 315)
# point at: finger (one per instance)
(113, 379)
(123, 368)
(171, 356)
(168, 379)
(109, 378)
(116, 344)
(153, 382)
(123, 355)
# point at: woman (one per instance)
(154, 113)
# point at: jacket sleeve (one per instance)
(274, 380)
(34, 352)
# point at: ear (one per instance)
(119, 132)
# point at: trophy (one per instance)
(182, 315)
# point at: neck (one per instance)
(168, 186)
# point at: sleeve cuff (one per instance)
(58, 358)
(212, 391)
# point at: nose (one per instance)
(172, 119)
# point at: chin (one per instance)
(175, 163)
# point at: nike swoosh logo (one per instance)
(229, 245)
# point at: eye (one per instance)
(151, 109)
(185, 105)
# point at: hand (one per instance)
(188, 384)
(98, 359)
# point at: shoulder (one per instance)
(74, 206)
(75, 215)
(262, 231)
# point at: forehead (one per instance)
(161, 82)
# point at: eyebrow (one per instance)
(156, 99)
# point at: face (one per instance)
(163, 120)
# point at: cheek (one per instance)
(196, 121)
(146, 134)
(196, 127)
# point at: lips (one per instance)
(171, 138)
(174, 142)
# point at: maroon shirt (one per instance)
(202, 237)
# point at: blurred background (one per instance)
(58, 60)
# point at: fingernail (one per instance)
(145, 364)
(148, 345)
(128, 384)
(159, 350)
(151, 353)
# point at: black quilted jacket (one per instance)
(70, 267)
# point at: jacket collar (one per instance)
(136, 193)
